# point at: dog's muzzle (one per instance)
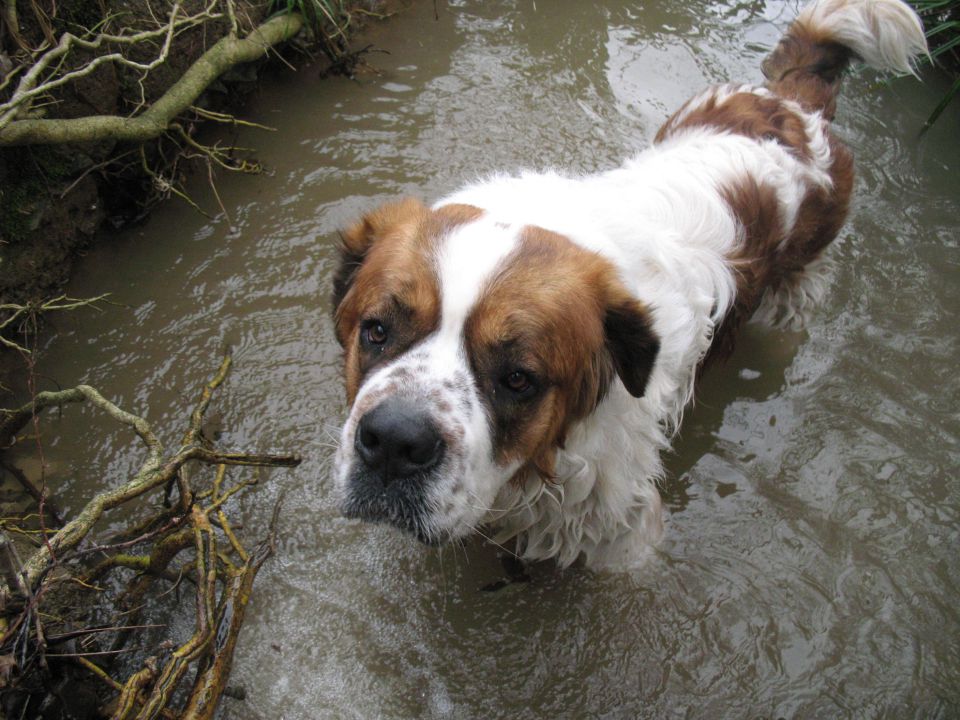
(397, 450)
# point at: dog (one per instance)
(518, 355)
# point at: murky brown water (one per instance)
(810, 566)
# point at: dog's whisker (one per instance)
(490, 540)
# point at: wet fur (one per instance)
(609, 290)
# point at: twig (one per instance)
(175, 522)
(33, 309)
(222, 516)
(11, 76)
(154, 473)
(102, 675)
(220, 156)
(93, 168)
(129, 696)
(163, 186)
(180, 660)
(63, 637)
(193, 432)
(98, 653)
(230, 119)
(232, 14)
(209, 685)
(99, 672)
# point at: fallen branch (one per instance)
(171, 674)
(229, 51)
(155, 472)
(15, 420)
(222, 573)
(210, 683)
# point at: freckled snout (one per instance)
(397, 440)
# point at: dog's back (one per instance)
(779, 254)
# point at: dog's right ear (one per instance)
(354, 244)
(356, 241)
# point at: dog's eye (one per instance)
(374, 333)
(518, 382)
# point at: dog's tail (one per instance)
(809, 61)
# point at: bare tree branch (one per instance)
(225, 53)
(155, 472)
(31, 85)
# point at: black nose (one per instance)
(398, 440)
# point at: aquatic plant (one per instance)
(941, 19)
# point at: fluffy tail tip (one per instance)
(886, 34)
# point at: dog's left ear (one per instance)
(631, 342)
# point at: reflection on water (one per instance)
(810, 563)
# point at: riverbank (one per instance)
(55, 196)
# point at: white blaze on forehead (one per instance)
(469, 256)
(436, 375)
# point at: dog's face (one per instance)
(470, 347)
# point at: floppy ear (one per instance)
(631, 342)
(354, 244)
(356, 241)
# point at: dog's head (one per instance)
(471, 346)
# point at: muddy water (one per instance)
(810, 565)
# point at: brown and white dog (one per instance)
(518, 354)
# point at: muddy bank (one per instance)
(55, 197)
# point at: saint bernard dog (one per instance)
(518, 354)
